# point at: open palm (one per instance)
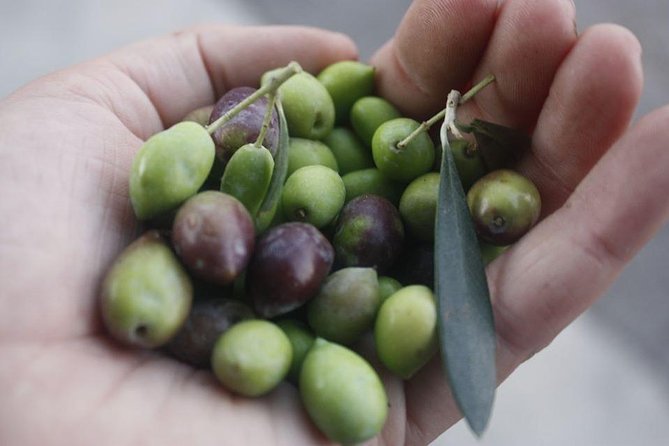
(67, 142)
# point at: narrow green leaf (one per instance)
(466, 326)
(499, 146)
(271, 202)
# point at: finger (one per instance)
(557, 270)
(590, 105)
(436, 48)
(528, 44)
(566, 262)
(182, 71)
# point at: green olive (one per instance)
(252, 357)
(406, 330)
(301, 339)
(402, 163)
(169, 168)
(308, 106)
(146, 295)
(200, 115)
(418, 206)
(313, 194)
(347, 81)
(342, 393)
(504, 206)
(307, 152)
(468, 162)
(350, 152)
(387, 287)
(491, 252)
(247, 176)
(346, 305)
(372, 181)
(368, 113)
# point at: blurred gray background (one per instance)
(605, 380)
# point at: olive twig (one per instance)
(266, 119)
(270, 86)
(425, 125)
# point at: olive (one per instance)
(347, 81)
(491, 252)
(214, 236)
(289, 264)
(350, 152)
(418, 206)
(342, 393)
(169, 168)
(373, 182)
(346, 305)
(369, 233)
(504, 206)
(208, 319)
(146, 295)
(313, 194)
(308, 106)
(405, 332)
(247, 176)
(402, 163)
(307, 152)
(387, 287)
(245, 127)
(468, 162)
(301, 339)
(252, 357)
(368, 113)
(200, 115)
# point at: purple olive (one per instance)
(214, 236)
(208, 319)
(245, 127)
(289, 264)
(369, 233)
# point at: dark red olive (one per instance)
(208, 319)
(289, 264)
(214, 236)
(245, 127)
(369, 233)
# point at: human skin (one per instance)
(67, 142)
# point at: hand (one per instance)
(67, 142)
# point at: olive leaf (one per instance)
(271, 202)
(465, 322)
(500, 146)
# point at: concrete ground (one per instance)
(605, 380)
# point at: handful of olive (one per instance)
(352, 200)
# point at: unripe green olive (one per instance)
(342, 393)
(406, 330)
(368, 113)
(418, 206)
(252, 357)
(347, 81)
(308, 106)
(313, 194)
(402, 163)
(350, 152)
(346, 305)
(304, 152)
(146, 295)
(169, 168)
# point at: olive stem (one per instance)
(425, 125)
(266, 119)
(270, 86)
